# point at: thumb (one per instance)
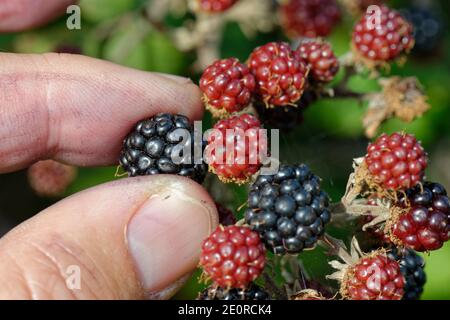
(130, 239)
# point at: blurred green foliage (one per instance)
(330, 137)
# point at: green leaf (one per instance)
(163, 55)
(100, 10)
(127, 45)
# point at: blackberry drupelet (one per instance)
(253, 292)
(288, 209)
(149, 149)
(412, 267)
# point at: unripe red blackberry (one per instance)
(288, 209)
(234, 155)
(233, 256)
(383, 41)
(412, 267)
(373, 277)
(154, 145)
(280, 75)
(215, 6)
(49, 178)
(425, 226)
(227, 86)
(309, 18)
(320, 58)
(396, 161)
(252, 292)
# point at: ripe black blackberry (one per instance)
(154, 143)
(412, 267)
(288, 209)
(253, 292)
(226, 216)
(428, 28)
(285, 118)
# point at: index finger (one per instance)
(77, 109)
(16, 15)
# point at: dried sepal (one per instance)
(401, 98)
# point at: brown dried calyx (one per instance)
(350, 259)
(401, 98)
(308, 294)
(362, 184)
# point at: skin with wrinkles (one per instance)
(65, 98)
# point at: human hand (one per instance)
(133, 238)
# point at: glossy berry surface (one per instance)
(252, 292)
(233, 256)
(385, 41)
(288, 209)
(374, 277)
(227, 86)
(215, 6)
(280, 74)
(320, 58)
(155, 146)
(426, 225)
(412, 267)
(233, 155)
(309, 18)
(396, 161)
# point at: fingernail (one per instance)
(165, 237)
(178, 79)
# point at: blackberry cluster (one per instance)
(428, 28)
(252, 292)
(385, 42)
(426, 226)
(227, 86)
(280, 75)
(396, 161)
(319, 56)
(309, 18)
(288, 209)
(149, 149)
(233, 256)
(412, 267)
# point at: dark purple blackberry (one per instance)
(226, 216)
(288, 209)
(285, 118)
(412, 267)
(156, 146)
(428, 28)
(253, 292)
